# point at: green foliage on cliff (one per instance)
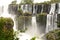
(6, 29)
(26, 1)
(33, 38)
(27, 14)
(55, 1)
(49, 2)
(20, 12)
(14, 2)
(53, 35)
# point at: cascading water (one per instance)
(59, 8)
(49, 24)
(34, 25)
(33, 30)
(51, 19)
(42, 8)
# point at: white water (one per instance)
(59, 8)
(49, 26)
(42, 8)
(51, 19)
(33, 29)
(34, 11)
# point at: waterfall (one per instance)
(23, 8)
(51, 19)
(42, 8)
(34, 25)
(49, 23)
(26, 8)
(52, 8)
(30, 8)
(59, 8)
(32, 30)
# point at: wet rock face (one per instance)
(39, 8)
(43, 8)
(58, 20)
(46, 8)
(13, 9)
(56, 7)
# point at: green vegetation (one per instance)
(49, 2)
(53, 35)
(26, 1)
(6, 29)
(20, 12)
(33, 38)
(23, 30)
(14, 2)
(27, 14)
(55, 1)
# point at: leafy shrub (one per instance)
(6, 29)
(34, 38)
(53, 35)
(27, 14)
